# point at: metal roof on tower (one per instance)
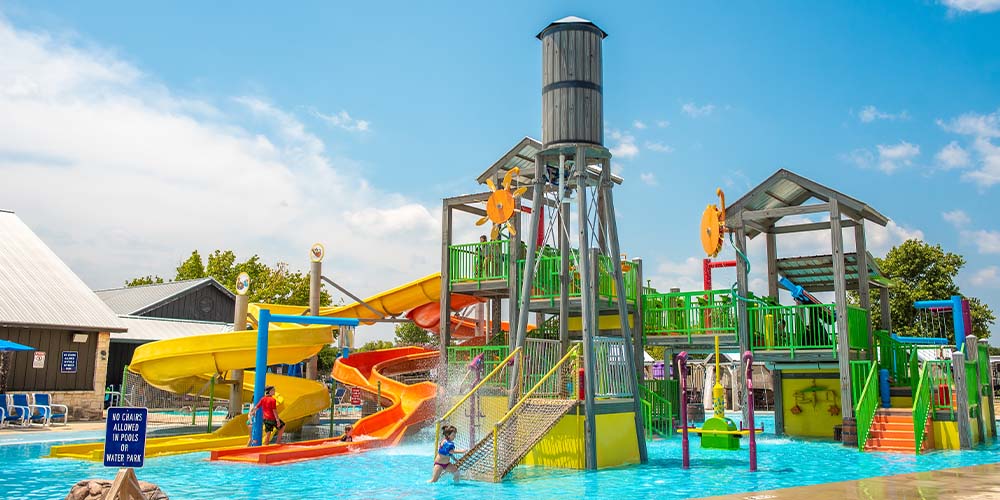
(571, 20)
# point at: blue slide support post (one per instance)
(260, 374)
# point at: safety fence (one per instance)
(168, 408)
(657, 413)
(546, 282)
(611, 367)
(689, 313)
(792, 328)
(864, 410)
(479, 262)
(921, 408)
(517, 430)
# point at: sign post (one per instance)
(125, 447)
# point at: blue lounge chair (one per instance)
(19, 410)
(45, 405)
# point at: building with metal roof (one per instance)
(201, 299)
(45, 305)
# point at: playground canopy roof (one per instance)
(144, 329)
(137, 300)
(815, 272)
(785, 189)
(522, 156)
(38, 289)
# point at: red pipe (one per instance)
(707, 265)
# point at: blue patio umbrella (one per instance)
(5, 347)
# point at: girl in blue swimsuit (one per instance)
(446, 450)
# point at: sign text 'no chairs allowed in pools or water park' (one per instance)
(125, 442)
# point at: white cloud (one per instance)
(662, 123)
(892, 157)
(983, 128)
(695, 111)
(953, 156)
(123, 177)
(988, 242)
(861, 157)
(624, 146)
(957, 218)
(980, 6)
(974, 124)
(685, 275)
(986, 277)
(648, 178)
(638, 125)
(342, 120)
(870, 113)
(659, 147)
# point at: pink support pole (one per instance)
(681, 372)
(748, 360)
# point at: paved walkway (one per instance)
(967, 483)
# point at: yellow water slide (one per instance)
(185, 366)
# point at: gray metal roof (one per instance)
(788, 189)
(569, 20)
(137, 300)
(815, 272)
(145, 329)
(38, 289)
(522, 156)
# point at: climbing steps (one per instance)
(892, 431)
(497, 453)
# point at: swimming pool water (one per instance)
(402, 472)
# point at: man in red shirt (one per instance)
(269, 405)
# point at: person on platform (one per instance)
(269, 405)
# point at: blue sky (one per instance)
(132, 133)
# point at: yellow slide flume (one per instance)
(185, 365)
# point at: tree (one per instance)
(268, 284)
(375, 345)
(144, 280)
(920, 271)
(410, 334)
(326, 357)
(192, 268)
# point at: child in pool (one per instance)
(446, 450)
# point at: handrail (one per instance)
(921, 408)
(569, 354)
(649, 397)
(480, 384)
(867, 406)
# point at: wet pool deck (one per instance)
(969, 483)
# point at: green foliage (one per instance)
(275, 284)
(326, 357)
(410, 334)
(144, 280)
(375, 345)
(656, 351)
(921, 271)
(192, 268)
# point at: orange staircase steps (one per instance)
(892, 431)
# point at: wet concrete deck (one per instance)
(969, 483)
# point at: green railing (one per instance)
(972, 386)
(478, 262)
(857, 328)
(859, 374)
(900, 359)
(667, 389)
(657, 413)
(921, 408)
(689, 313)
(807, 326)
(546, 283)
(864, 411)
(941, 384)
